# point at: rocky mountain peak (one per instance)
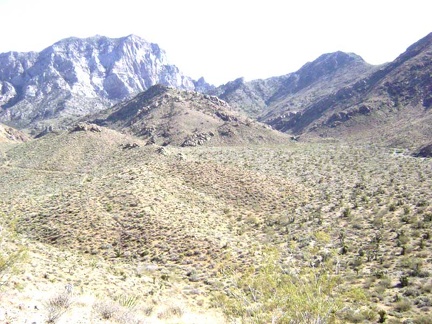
(201, 85)
(284, 93)
(338, 58)
(77, 76)
(327, 64)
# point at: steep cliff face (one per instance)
(74, 77)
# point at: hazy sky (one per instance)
(226, 39)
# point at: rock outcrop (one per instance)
(84, 127)
(9, 134)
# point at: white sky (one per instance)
(226, 39)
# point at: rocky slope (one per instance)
(424, 151)
(289, 93)
(392, 104)
(9, 134)
(164, 115)
(339, 95)
(74, 77)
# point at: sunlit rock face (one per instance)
(74, 77)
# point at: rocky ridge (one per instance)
(163, 115)
(339, 95)
(289, 93)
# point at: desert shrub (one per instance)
(148, 310)
(382, 316)
(269, 294)
(422, 203)
(359, 316)
(106, 309)
(346, 212)
(422, 319)
(427, 287)
(413, 292)
(385, 282)
(403, 305)
(128, 301)
(8, 263)
(413, 264)
(57, 306)
(122, 310)
(404, 280)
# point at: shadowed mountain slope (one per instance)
(340, 96)
(392, 104)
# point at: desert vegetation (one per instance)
(296, 233)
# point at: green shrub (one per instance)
(128, 301)
(404, 280)
(403, 305)
(270, 295)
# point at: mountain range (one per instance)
(131, 193)
(338, 95)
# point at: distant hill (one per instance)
(164, 115)
(288, 94)
(340, 96)
(391, 105)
